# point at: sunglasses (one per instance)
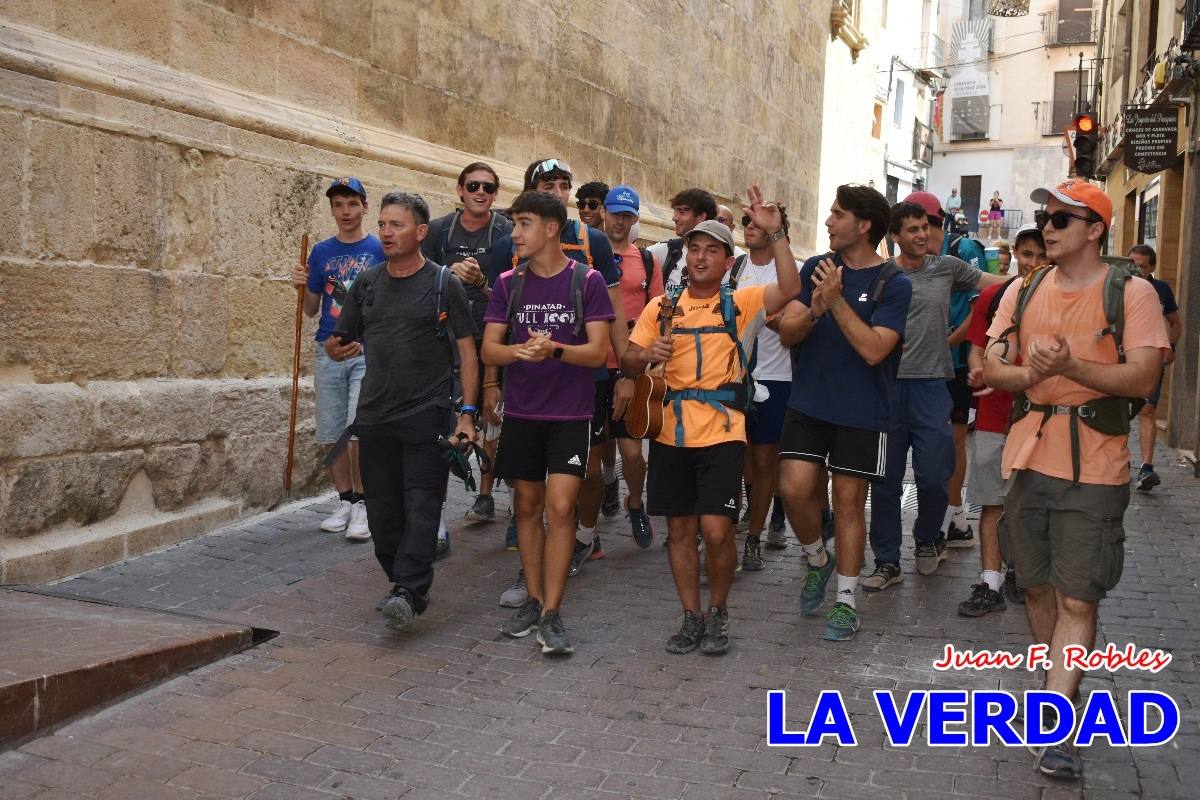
(548, 166)
(746, 221)
(474, 186)
(588, 205)
(1059, 219)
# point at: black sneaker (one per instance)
(982, 601)
(611, 503)
(716, 632)
(398, 611)
(689, 636)
(1012, 592)
(484, 509)
(383, 601)
(442, 550)
(583, 551)
(510, 535)
(752, 560)
(958, 537)
(1147, 479)
(552, 635)
(639, 523)
(1059, 761)
(930, 554)
(524, 619)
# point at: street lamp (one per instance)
(1007, 8)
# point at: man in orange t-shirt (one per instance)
(1063, 533)
(696, 463)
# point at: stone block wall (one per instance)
(162, 159)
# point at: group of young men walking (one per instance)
(804, 384)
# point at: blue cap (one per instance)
(622, 199)
(353, 184)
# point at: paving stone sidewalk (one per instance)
(338, 706)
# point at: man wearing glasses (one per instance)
(589, 200)
(463, 240)
(1066, 461)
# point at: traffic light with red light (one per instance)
(1087, 140)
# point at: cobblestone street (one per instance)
(339, 706)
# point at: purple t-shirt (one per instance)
(551, 389)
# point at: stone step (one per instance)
(63, 656)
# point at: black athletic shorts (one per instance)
(531, 448)
(686, 481)
(857, 452)
(601, 412)
(960, 397)
(616, 427)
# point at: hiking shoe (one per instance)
(639, 523)
(776, 537)
(398, 611)
(515, 595)
(689, 636)
(339, 519)
(958, 537)
(930, 554)
(484, 509)
(1059, 761)
(356, 529)
(443, 549)
(1147, 479)
(384, 600)
(552, 635)
(1012, 592)
(885, 575)
(583, 551)
(981, 601)
(716, 632)
(510, 535)
(841, 623)
(524, 619)
(611, 503)
(812, 597)
(597, 548)
(752, 560)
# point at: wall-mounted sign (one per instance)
(1151, 137)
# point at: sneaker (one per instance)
(716, 632)
(515, 595)
(1059, 761)
(752, 560)
(689, 636)
(776, 537)
(639, 523)
(981, 601)
(398, 611)
(443, 548)
(611, 503)
(484, 509)
(510, 535)
(524, 619)
(583, 551)
(841, 623)
(1012, 592)
(357, 530)
(812, 597)
(340, 518)
(383, 601)
(552, 635)
(597, 548)
(885, 575)
(930, 555)
(1147, 479)
(958, 537)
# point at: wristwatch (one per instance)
(776, 236)
(558, 353)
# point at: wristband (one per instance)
(472, 410)
(491, 384)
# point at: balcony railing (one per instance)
(1191, 25)
(1083, 29)
(1055, 116)
(922, 143)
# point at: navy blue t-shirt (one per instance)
(1165, 296)
(601, 251)
(332, 267)
(830, 380)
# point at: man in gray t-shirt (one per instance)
(921, 409)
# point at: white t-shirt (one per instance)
(659, 251)
(774, 361)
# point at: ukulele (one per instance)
(644, 417)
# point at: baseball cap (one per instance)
(1028, 232)
(1080, 194)
(353, 184)
(622, 199)
(717, 230)
(929, 202)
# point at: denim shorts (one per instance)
(337, 384)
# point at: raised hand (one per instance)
(766, 216)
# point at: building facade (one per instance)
(1014, 86)
(162, 160)
(1149, 49)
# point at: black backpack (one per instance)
(674, 255)
(516, 288)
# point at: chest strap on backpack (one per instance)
(717, 398)
(1107, 415)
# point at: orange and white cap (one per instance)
(1078, 193)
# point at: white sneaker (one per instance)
(357, 530)
(339, 519)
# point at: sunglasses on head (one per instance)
(1059, 219)
(548, 166)
(588, 205)
(474, 186)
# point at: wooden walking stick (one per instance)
(287, 475)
